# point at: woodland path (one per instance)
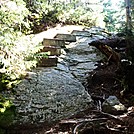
(50, 94)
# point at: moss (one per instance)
(7, 117)
(2, 131)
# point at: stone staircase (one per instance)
(54, 91)
(56, 44)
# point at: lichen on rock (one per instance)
(49, 95)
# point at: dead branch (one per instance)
(107, 51)
(109, 115)
(72, 121)
(76, 127)
(117, 130)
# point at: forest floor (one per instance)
(102, 82)
(94, 121)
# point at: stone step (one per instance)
(48, 62)
(66, 37)
(54, 42)
(54, 50)
(81, 33)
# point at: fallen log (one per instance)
(112, 56)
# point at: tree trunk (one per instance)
(128, 16)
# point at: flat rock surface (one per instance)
(55, 93)
(49, 95)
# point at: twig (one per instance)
(110, 115)
(76, 127)
(84, 121)
(81, 120)
(117, 130)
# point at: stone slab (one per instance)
(66, 37)
(48, 62)
(81, 33)
(54, 42)
(48, 95)
(54, 50)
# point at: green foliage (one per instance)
(45, 14)
(110, 17)
(79, 15)
(2, 131)
(41, 55)
(7, 114)
(12, 18)
(115, 16)
(4, 104)
(16, 59)
(15, 47)
(75, 13)
(121, 19)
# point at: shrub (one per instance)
(79, 15)
(15, 47)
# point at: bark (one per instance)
(128, 15)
